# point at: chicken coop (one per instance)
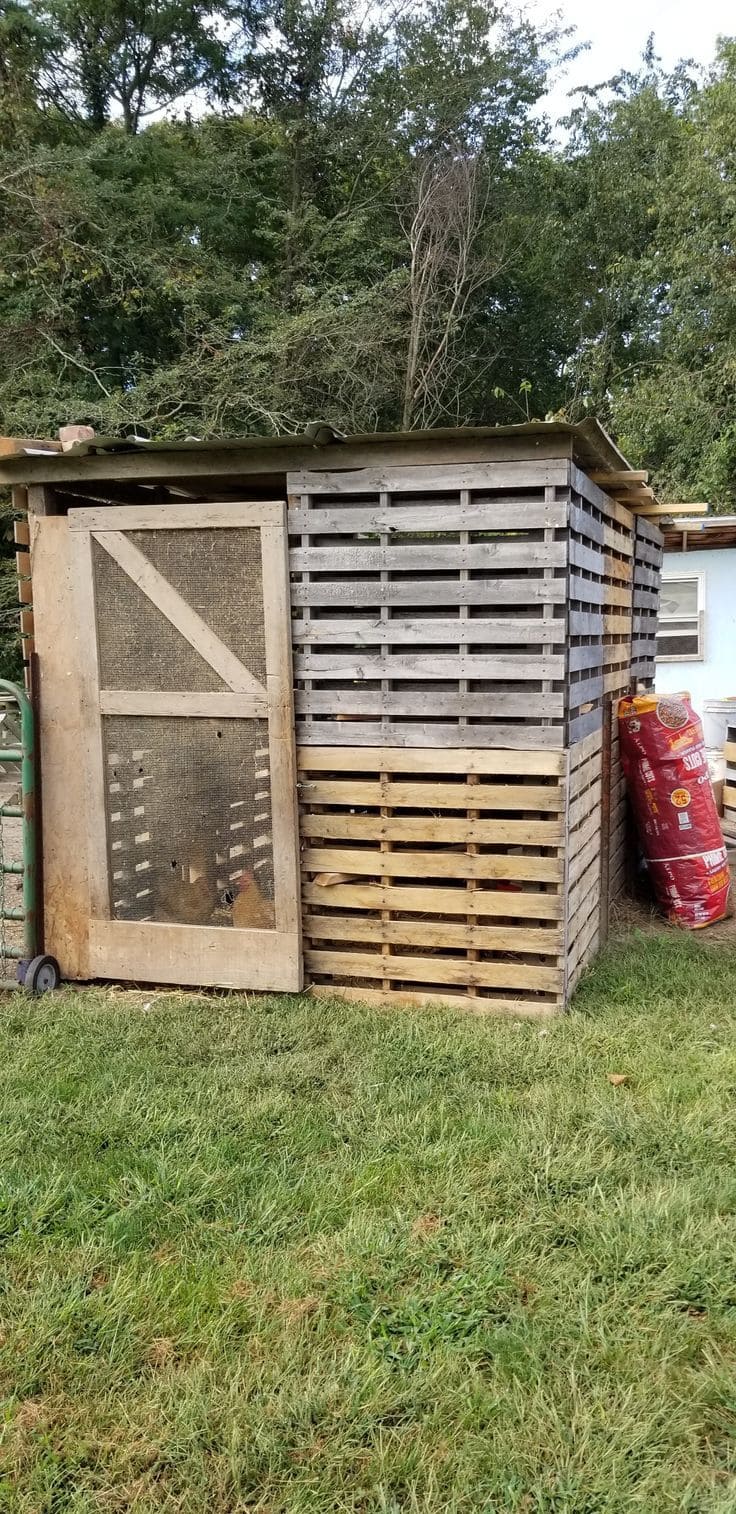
(335, 710)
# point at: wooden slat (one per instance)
(281, 747)
(365, 862)
(430, 478)
(418, 899)
(623, 478)
(197, 516)
(652, 511)
(426, 665)
(362, 701)
(423, 829)
(211, 706)
(435, 592)
(453, 796)
(374, 632)
(365, 732)
(490, 762)
(434, 933)
(498, 512)
(433, 970)
(434, 557)
(480, 1005)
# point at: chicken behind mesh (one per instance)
(251, 909)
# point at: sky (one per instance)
(618, 29)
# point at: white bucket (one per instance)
(718, 715)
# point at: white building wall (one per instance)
(715, 676)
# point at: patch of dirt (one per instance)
(426, 1225)
(295, 1309)
(161, 1351)
(31, 1415)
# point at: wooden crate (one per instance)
(435, 877)
(429, 605)
(583, 902)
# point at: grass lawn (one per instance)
(294, 1256)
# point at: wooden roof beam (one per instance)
(622, 479)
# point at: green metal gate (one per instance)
(38, 972)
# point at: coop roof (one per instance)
(136, 457)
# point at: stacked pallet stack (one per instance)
(461, 636)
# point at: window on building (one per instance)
(680, 620)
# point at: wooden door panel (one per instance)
(188, 750)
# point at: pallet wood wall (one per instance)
(435, 877)
(584, 879)
(429, 605)
(647, 574)
(493, 611)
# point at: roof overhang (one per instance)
(321, 445)
(693, 534)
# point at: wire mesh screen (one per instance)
(217, 572)
(189, 821)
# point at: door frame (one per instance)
(153, 951)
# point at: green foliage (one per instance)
(381, 231)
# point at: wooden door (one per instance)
(187, 717)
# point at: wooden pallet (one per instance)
(429, 605)
(435, 877)
(583, 882)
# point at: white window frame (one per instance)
(698, 576)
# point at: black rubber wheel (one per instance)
(42, 974)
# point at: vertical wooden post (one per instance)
(606, 774)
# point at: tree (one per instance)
(130, 59)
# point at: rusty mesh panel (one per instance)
(189, 820)
(217, 571)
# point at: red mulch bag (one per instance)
(666, 766)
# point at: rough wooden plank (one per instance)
(428, 665)
(64, 797)
(369, 733)
(433, 970)
(211, 706)
(424, 829)
(90, 755)
(488, 762)
(281, 747)
(438, 592)
(407, 702)
(493, 513)
(586, 524)
(482, 1006)
(439, 795)
(148, 952)
(434, 933)
(430, 477)
(418, 899)
(375, 632)
(434, 557)
(584, 724)
(194, 516)
(503, 867)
